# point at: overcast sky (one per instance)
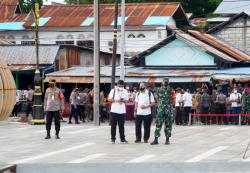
(49, 1)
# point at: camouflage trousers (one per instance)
(167, 120)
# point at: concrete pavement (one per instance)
(88, 144)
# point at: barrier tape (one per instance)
(220, 115)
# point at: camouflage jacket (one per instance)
(246, 104)
(165, 101)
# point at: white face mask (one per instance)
(235, 91)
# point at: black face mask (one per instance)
(142, 89)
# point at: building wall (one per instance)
(136, 41)
(236, 34)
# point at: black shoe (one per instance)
(47, 137)
(145, 141)
(124, 141)
(78, 123)
(155, 142)
(57, 137)
(167, 141)
(113, 141)
(70, 122)
(137, 141)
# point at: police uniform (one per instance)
(52, 105)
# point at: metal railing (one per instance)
(8, 169)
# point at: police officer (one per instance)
(164, 112)
(53, 104)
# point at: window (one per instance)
(27, 41)
(66, 42)
(141, 36)
(110, 43)
(159, 34)
(86, 43)
(131, 36)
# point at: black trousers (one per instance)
(178, 117)
(204, 110)
(28, 109)
(49, 118)
(186, 114)
(81, 112)
(146, 124)
(222, 110)
(120, 120)
(73, 114)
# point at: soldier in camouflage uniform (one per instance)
(164, 112)
(246, 104)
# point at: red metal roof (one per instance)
(7, 9)
(74, 15)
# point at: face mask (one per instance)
(235, 91)
(142, 89)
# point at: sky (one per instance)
(49, 1)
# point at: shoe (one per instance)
(70, 122)
(124, 141)
(145, 141)
(78, 123)
(137, 141)
(57, 137)
(47, 137)
(167, 141)
(155, 142)
(113, 141)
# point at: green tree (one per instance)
(199, 8)
(26, 5)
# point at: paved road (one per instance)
(85, 143)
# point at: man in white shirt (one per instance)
(187, 100)
(178, 107)
(235, 99)
(118, 97)
(144, 100)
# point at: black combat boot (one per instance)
(57, 135)
(155, 142)
(167, 141)
(48, 135)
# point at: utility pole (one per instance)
(114, 46)
(123, 9)
(96, 64)
(38, 116)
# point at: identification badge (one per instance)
(53, 97)
(78, 98)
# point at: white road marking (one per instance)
(52, 153)
(206, 154)
(87, 130)
(88, 158)
(226, 128)
(141, 159)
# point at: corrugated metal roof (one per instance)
(189, 39)
(76, 15)
(235, 53)
(133, 74)
(218, 19)
(26, 55)
(7, 9)
(233, 7)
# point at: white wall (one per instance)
(132, 44)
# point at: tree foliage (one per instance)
(199, 8)
(27, 5)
